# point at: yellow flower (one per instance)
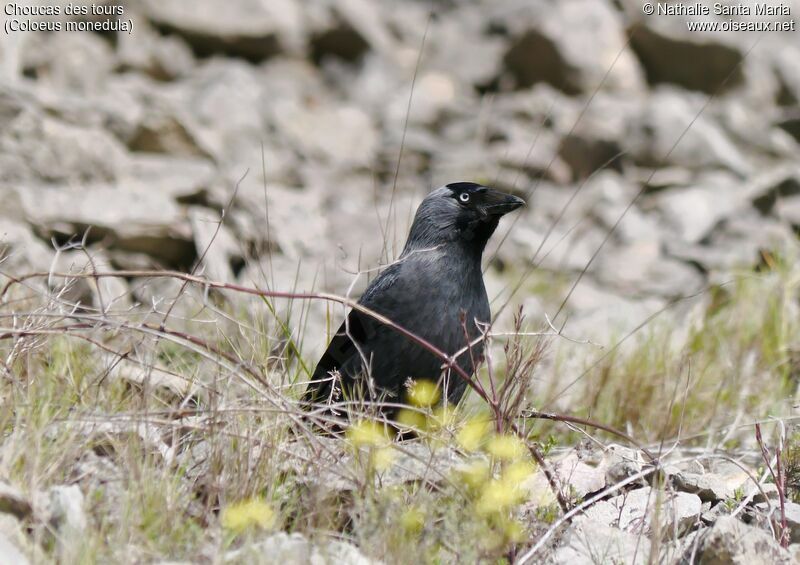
(382, 458)
(444, 416)
(506, 447)
(471, 436)
(497, 496)
(412, 419)
(367, 433)
(423, 394)
(412, 520)
(250, 513)
(475, 473)
(516, 473)
(513, 530)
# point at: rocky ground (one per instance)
(316, 128)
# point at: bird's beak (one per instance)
(496, 203)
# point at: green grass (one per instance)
(158, 471)
(736, 364)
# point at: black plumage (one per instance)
(435, 284)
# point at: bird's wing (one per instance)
(342, 355)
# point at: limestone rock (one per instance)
(731, 541)
(590, 542)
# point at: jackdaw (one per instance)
(434, 290)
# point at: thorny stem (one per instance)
(778, 477)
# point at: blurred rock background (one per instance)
(576, 105)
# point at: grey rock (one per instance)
(571, 49)
(295, 549)
(745, 128)
(66, 509)
(10, 553)
(218, 247)
(343, 134)
(13, 501)
(692, 212)
(641, 267)
(533, 153)
(736, 242)
(766, 188)
(762, 493)
(11, 55)
(792, 511)
(709, 487)
(142, 220)
(103, 293)
(670, 53)
(37, 147)
(620, 463)
(711, 515)
(337, 467)
(347, 29)
(732, 542)
(187, 180)
(118, 108)
(671, 130)
(632, 512)
(790, 123)
(245, 28)
(279, 210)
(108, 437)
(158, 293)
(586, 154)
(155, 380)
(20, 249)
(222, 106)
(16, 545)
(438, 92)
(161, 130)
(591, 542)
(787, 72)
(567, 247)
(68, 61)
(597, 312)
(680, 551)
(578, 477)
(460, 45)
(159, 57)
(664, 177)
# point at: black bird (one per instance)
(435, 284)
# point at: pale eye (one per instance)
(464, 197)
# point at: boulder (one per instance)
(633, 512)
(140, 220)
(670, 129)
(578, 46)
(590, 542)
(709, 487)
(68, 61)
(244, 28)
(66, 510)
(296, 549)
(732, 542)
(670, 53)
(159, 57)
(34, 146)
(692, 212)
(792, 511)
(13, 502)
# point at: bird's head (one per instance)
(460, 212)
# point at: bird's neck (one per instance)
(464, 250)
(468, 239)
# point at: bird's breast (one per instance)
(450, 301)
